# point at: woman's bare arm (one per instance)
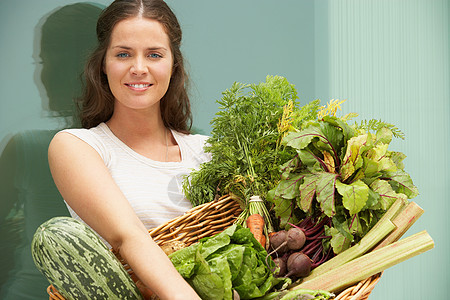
(87, 186)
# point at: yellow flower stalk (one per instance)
(286, 119)
(330, 109)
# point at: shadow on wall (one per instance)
(28, 196)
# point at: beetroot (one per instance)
(298, 265)
(283, 241)
(280, 262)
(295, 238)
(314, 230)
(277, 241)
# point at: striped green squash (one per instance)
(78, 264)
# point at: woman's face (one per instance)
(138, 64)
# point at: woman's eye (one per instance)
(154, 55)
(122, 55)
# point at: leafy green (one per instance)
(301, 161)
(245, 145)
(230, 260)
(344, 172)
(375, 125)
(245, 140)
(354, 195)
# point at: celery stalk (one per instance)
(403, 222)
(371, 263)
(396, 208)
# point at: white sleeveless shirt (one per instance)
(153, 188)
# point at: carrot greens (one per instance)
(245, 143)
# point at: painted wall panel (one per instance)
(390, 60)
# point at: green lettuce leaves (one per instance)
(230, 260)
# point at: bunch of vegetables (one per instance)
(323, 191)
(381, 248)
(342, 172)
(245, 145)
(234, 265)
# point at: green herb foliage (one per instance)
(245, 141)
(343, 172)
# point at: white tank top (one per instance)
(153, 188)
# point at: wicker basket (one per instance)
(212, 218)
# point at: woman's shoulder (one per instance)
(82, 132)
(93, 137)
(93, 134)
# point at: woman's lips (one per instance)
(138, 86)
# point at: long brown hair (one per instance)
(97, 102)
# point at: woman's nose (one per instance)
(139, 66)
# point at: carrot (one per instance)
(255, 223)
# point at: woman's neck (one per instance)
(136, 125)
(144, 134)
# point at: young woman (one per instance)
(122, 172)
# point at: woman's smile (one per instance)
(138, 86)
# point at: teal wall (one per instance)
(388, 58)
(227, 41)
(44, 44)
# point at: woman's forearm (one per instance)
(154, 268)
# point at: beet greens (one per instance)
(342, 172)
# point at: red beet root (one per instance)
(281, 263)
(283, 241)
(298, 265)
(278, 241)
(295, 238)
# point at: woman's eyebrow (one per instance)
(149, 48)
(121, 47)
